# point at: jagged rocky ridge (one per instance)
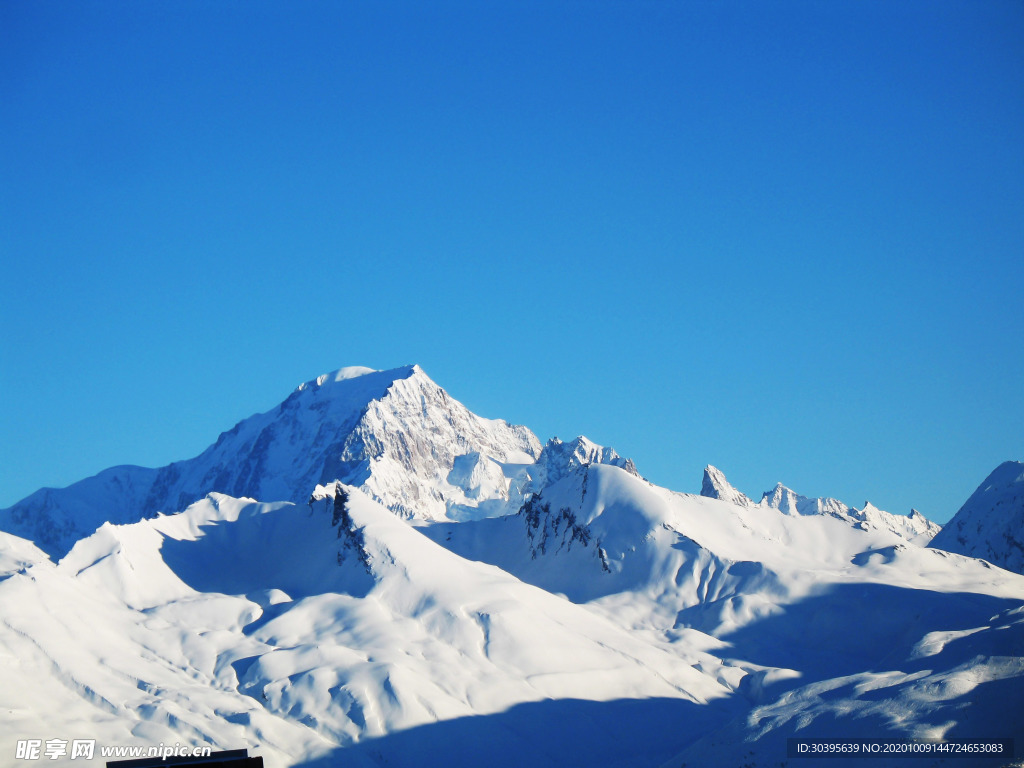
(395, 435)
(915, 527)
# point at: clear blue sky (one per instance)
(783, 238)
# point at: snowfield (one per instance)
(418, 586)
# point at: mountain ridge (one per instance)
(395, 434)
(915, 527)
(459, 570)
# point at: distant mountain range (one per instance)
(372, 575)
(915, 528)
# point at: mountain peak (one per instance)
(715, 486)
(990, 522)
(785, 500)
(1006, 474)
(393, 434)
(561, 458)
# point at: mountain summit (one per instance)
(715, 486)
(395, 434)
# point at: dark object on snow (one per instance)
(232, 758)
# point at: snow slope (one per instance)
(824, 628)
(241, 624)
(964, 681)
(990, 524)
(691, 561)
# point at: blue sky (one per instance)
(783, 238)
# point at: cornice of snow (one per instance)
(355, 372)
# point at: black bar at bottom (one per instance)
(232, 758)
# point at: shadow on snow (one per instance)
(543, 734)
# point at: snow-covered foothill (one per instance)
(240, 624)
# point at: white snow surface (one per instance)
(433, 588)
(241, 624)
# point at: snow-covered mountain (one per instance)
(261, 625)
(715, 486)
(915, 527)
(395, 434)
(990, 525)
(430, 587)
